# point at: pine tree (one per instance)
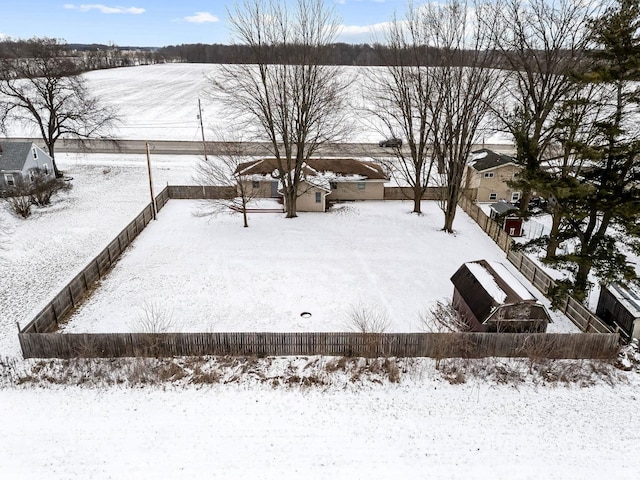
(599, 206)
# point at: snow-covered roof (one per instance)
(497, 281)
(487, 281)
(334, 169)
(628, 297)
(485, 159)
(511, 280)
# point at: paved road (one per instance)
(178, 147)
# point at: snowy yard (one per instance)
(261, 278)
(421, 426)
(210, 274)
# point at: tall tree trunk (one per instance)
(581, 283)
(51, 151)
(552, 246)
(453, 192)
(290, 202)
(417, 199)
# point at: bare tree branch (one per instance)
(46, 90)
(289, 96)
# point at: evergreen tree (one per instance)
(599, 204)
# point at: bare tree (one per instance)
(45, 89)
(289, 96)
(399, 96)
(541, 42)
(465, 85)
(222, 171)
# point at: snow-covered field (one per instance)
(160, 102)
(420, 427)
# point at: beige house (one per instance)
(324, 180)
(488, 173)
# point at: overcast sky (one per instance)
(163, 22)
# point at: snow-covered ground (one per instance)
(212, 274)
(420, 427)
(160, 102)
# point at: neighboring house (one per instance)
(323, 180)
(620, 308)
(20, 162)
(502, 212)
(488, 173)
(490, 299)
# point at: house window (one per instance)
(361, 185)
(45, 168)
(493, 196)
(334, 185)
(515, 196)
(8, 177)
(255, 184)
(35, 153)
(318, 197)
(488, 174)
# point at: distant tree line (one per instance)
(97, 56)
(81, 57)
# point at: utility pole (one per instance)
(154, 209)
(204, 145)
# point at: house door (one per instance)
(274, 189)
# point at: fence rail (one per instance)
(434, 345)
(585, 320)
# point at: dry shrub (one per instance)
(155, 318)
(442, 318)
(454, 373)
(43, 189)
(20, 205)
(169, 371)
(392, 370)
(366, 319)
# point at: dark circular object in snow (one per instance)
(305, 314)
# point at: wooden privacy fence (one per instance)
(434, 345)
(431, 193)
(488, 225)
(574, 310)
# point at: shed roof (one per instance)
(629, 298)
(13, 155)
(485, 159)
(331, 167)
(503, 207)
(497, 281)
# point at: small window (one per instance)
(515, 196)
(493, 196)
(45, 168)
(35, 153)
(318, 197)
(334, 185)
(361, 185)
(8, 177)
(488, 174)
(255, 184)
